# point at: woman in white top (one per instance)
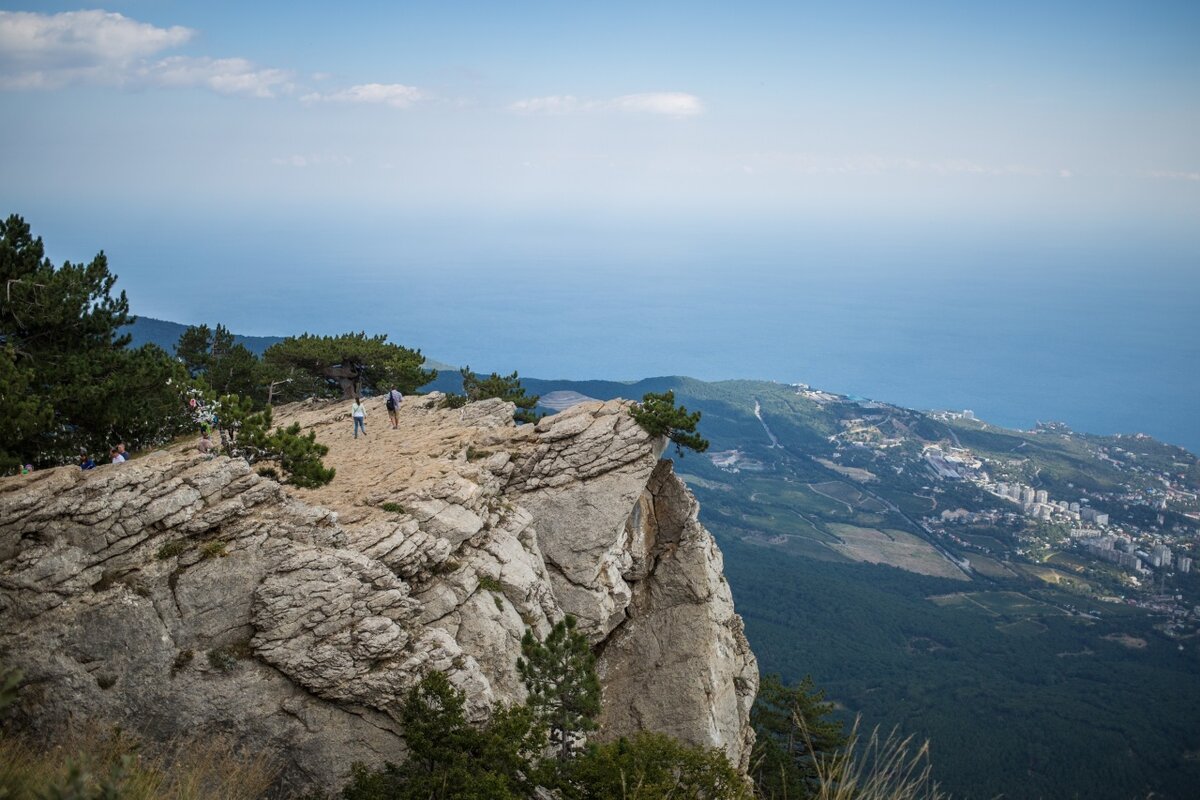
(360, 418)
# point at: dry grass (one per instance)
(95, 761)
(878, 768)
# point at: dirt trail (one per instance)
(369, 468)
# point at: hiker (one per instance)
(26, 469)
(360, 418)
(394, 398)
(116, 456)
(121, 451)
(205, 443)
(85, 462)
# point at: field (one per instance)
(990, 567)
(897, 548)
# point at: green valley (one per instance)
(1045, 649)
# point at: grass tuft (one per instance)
(877, 768)
(490, 583)
(97, 762)
(171, 549)
(213, 549)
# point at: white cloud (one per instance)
(555, 104)
(396, 95)
(49, 51)
(1173, 175)
(46, 51)
(223, 75)
(675, 104)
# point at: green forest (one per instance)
(1024, 689)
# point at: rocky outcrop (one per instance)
(181, 593)
(679, 662)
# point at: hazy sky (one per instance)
(579, 108)
(418, 168)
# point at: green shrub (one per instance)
(393, 508)
(213, 549)
(505, 387)
(297, 455)
(452, 400)
(171, 549)
(475, 455)
(449, 759)
(490, 584)
(651, 766)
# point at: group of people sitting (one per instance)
(116, 455)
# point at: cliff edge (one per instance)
(179, 593)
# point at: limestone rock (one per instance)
(181, 593)
(680, 662)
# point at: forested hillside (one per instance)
(1026, 671)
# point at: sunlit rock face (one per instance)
(178, 593)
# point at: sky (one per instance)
(484, 180)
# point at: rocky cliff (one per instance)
(180, 593)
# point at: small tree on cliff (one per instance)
(659, 416)
(448, 758)
(346, 366)
(795, 731)
(246, 433)
(564, 691)
(505, 387)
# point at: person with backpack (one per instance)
(394, 398)
(360, 418)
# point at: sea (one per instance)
(1096, 327)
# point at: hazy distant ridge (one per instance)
(148, 330)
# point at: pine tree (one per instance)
(60, 328)
(22, 414)
(659, 416)
(560, 674)
(246, 433)
(794, 728)
(505, 387)
(346, 366)
(212, 357)
(450, 759)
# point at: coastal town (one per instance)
(1132, 538)
(1136, 544)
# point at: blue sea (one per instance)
(1093, 326)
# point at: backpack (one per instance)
(391, 403)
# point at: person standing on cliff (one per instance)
(394, 398)
(360, 418)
